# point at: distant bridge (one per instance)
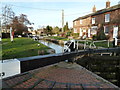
(30, 63)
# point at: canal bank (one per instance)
(60, 42)
(21, 47)
(11, 67)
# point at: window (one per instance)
(75, 22)
(106, 29)
(75, 30)
(107, 17)
(93, 20)
(94, 30)
(80, 21)
(80, 31)
(88, 32)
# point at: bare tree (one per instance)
(7, 16)
(18, 23)
(17, 26)
(23, 19)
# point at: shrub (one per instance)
(5, 35)
(63, 35)
(68, 33)
(101, 35)
(94, 37)
(75, 35)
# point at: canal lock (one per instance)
(108, 67)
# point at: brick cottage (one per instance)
(107, 19)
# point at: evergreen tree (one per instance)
(100, 34)
(48, 30)
(66, 27)
(56, 30)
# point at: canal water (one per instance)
(12, 66)
(56, 47)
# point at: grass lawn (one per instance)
(104, 44)
(58, 38)
(99, 44)
(21, 47)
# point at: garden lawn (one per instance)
(21, 47)
(99, 44)
(104, 44)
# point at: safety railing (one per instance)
(92, 44)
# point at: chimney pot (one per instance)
(94, 8)
(108, 4)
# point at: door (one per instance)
(115, 31)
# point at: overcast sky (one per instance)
(50, 12)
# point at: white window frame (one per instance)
(81, 21)
(75, 23)
(75, 30)
(93, 30)
(93, 20)
(107, 17)
(81, 32)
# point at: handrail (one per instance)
(93, 43)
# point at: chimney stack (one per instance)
(108, 4)
(94, 8)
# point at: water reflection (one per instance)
(57, 48)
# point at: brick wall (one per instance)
(114, 20)
(84, 25)
(100, 20)
(85, 22)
